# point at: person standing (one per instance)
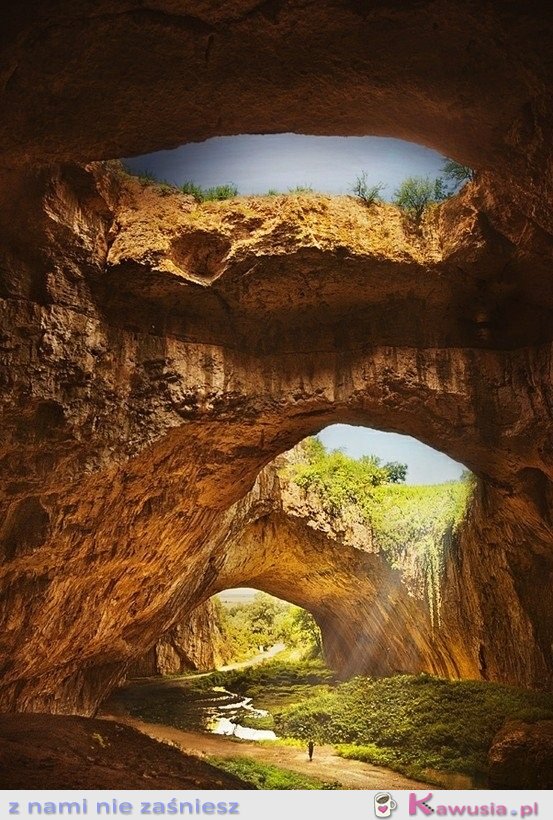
(310, 748)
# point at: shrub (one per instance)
(301, 189)
(217, 192)
(413, 721)
(415, 194)
(274, 674)
(220, 192)
(194, 190)
(148, 177)
(369, 194)
(251, 720)
(419, 518)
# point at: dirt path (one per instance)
(326, 765)
(263, 656)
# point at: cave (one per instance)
(155, 359)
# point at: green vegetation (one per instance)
(369, 194)
(192, 189)
(275, 684)
(148, 178)
(413, 723)
(216, 193)
(301, 189)
(267, 776)
(273, 673)
(457, 173)
(266, 621)
(250, 720)
(422, 519)
(339, 479)
(416, 194)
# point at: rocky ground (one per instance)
(66, 752)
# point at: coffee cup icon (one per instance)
(384, 804)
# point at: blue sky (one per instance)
(424, 465)
(256, 163)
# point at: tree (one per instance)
(309, 634)
(262, 612)
(397, 472)
(340, 480)
(313, 448)
(415, 194)
(456, 172)
(369, 194)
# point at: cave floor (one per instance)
(66, 752)
(326, 764)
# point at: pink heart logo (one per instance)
(383, 809)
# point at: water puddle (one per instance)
(227, 719)
(176, 703)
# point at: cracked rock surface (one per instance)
(156, 354)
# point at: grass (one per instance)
(276, 684)
(267, 776)
(217, 193)
(413, 723)
(301, 189)
(214, 193)
(424, 727)
(420, 519)
(274, 674)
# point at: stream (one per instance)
(177, 703)
(217, 711)
(225, 721)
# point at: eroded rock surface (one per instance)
(196, 644)
(521, 755)
(75, 85)
(155, 354)
(67, 752)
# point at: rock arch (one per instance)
(173, 394)
(255, 67)
(128, 383)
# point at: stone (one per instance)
(76, 87)
(521, 756)
(67, 752)
(157, 354)
(197, 644)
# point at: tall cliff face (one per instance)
(156, 354)
(377, 612)
(381, 612)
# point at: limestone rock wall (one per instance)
(196, 644)
(155, 355)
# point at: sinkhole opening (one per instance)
(270, 164)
